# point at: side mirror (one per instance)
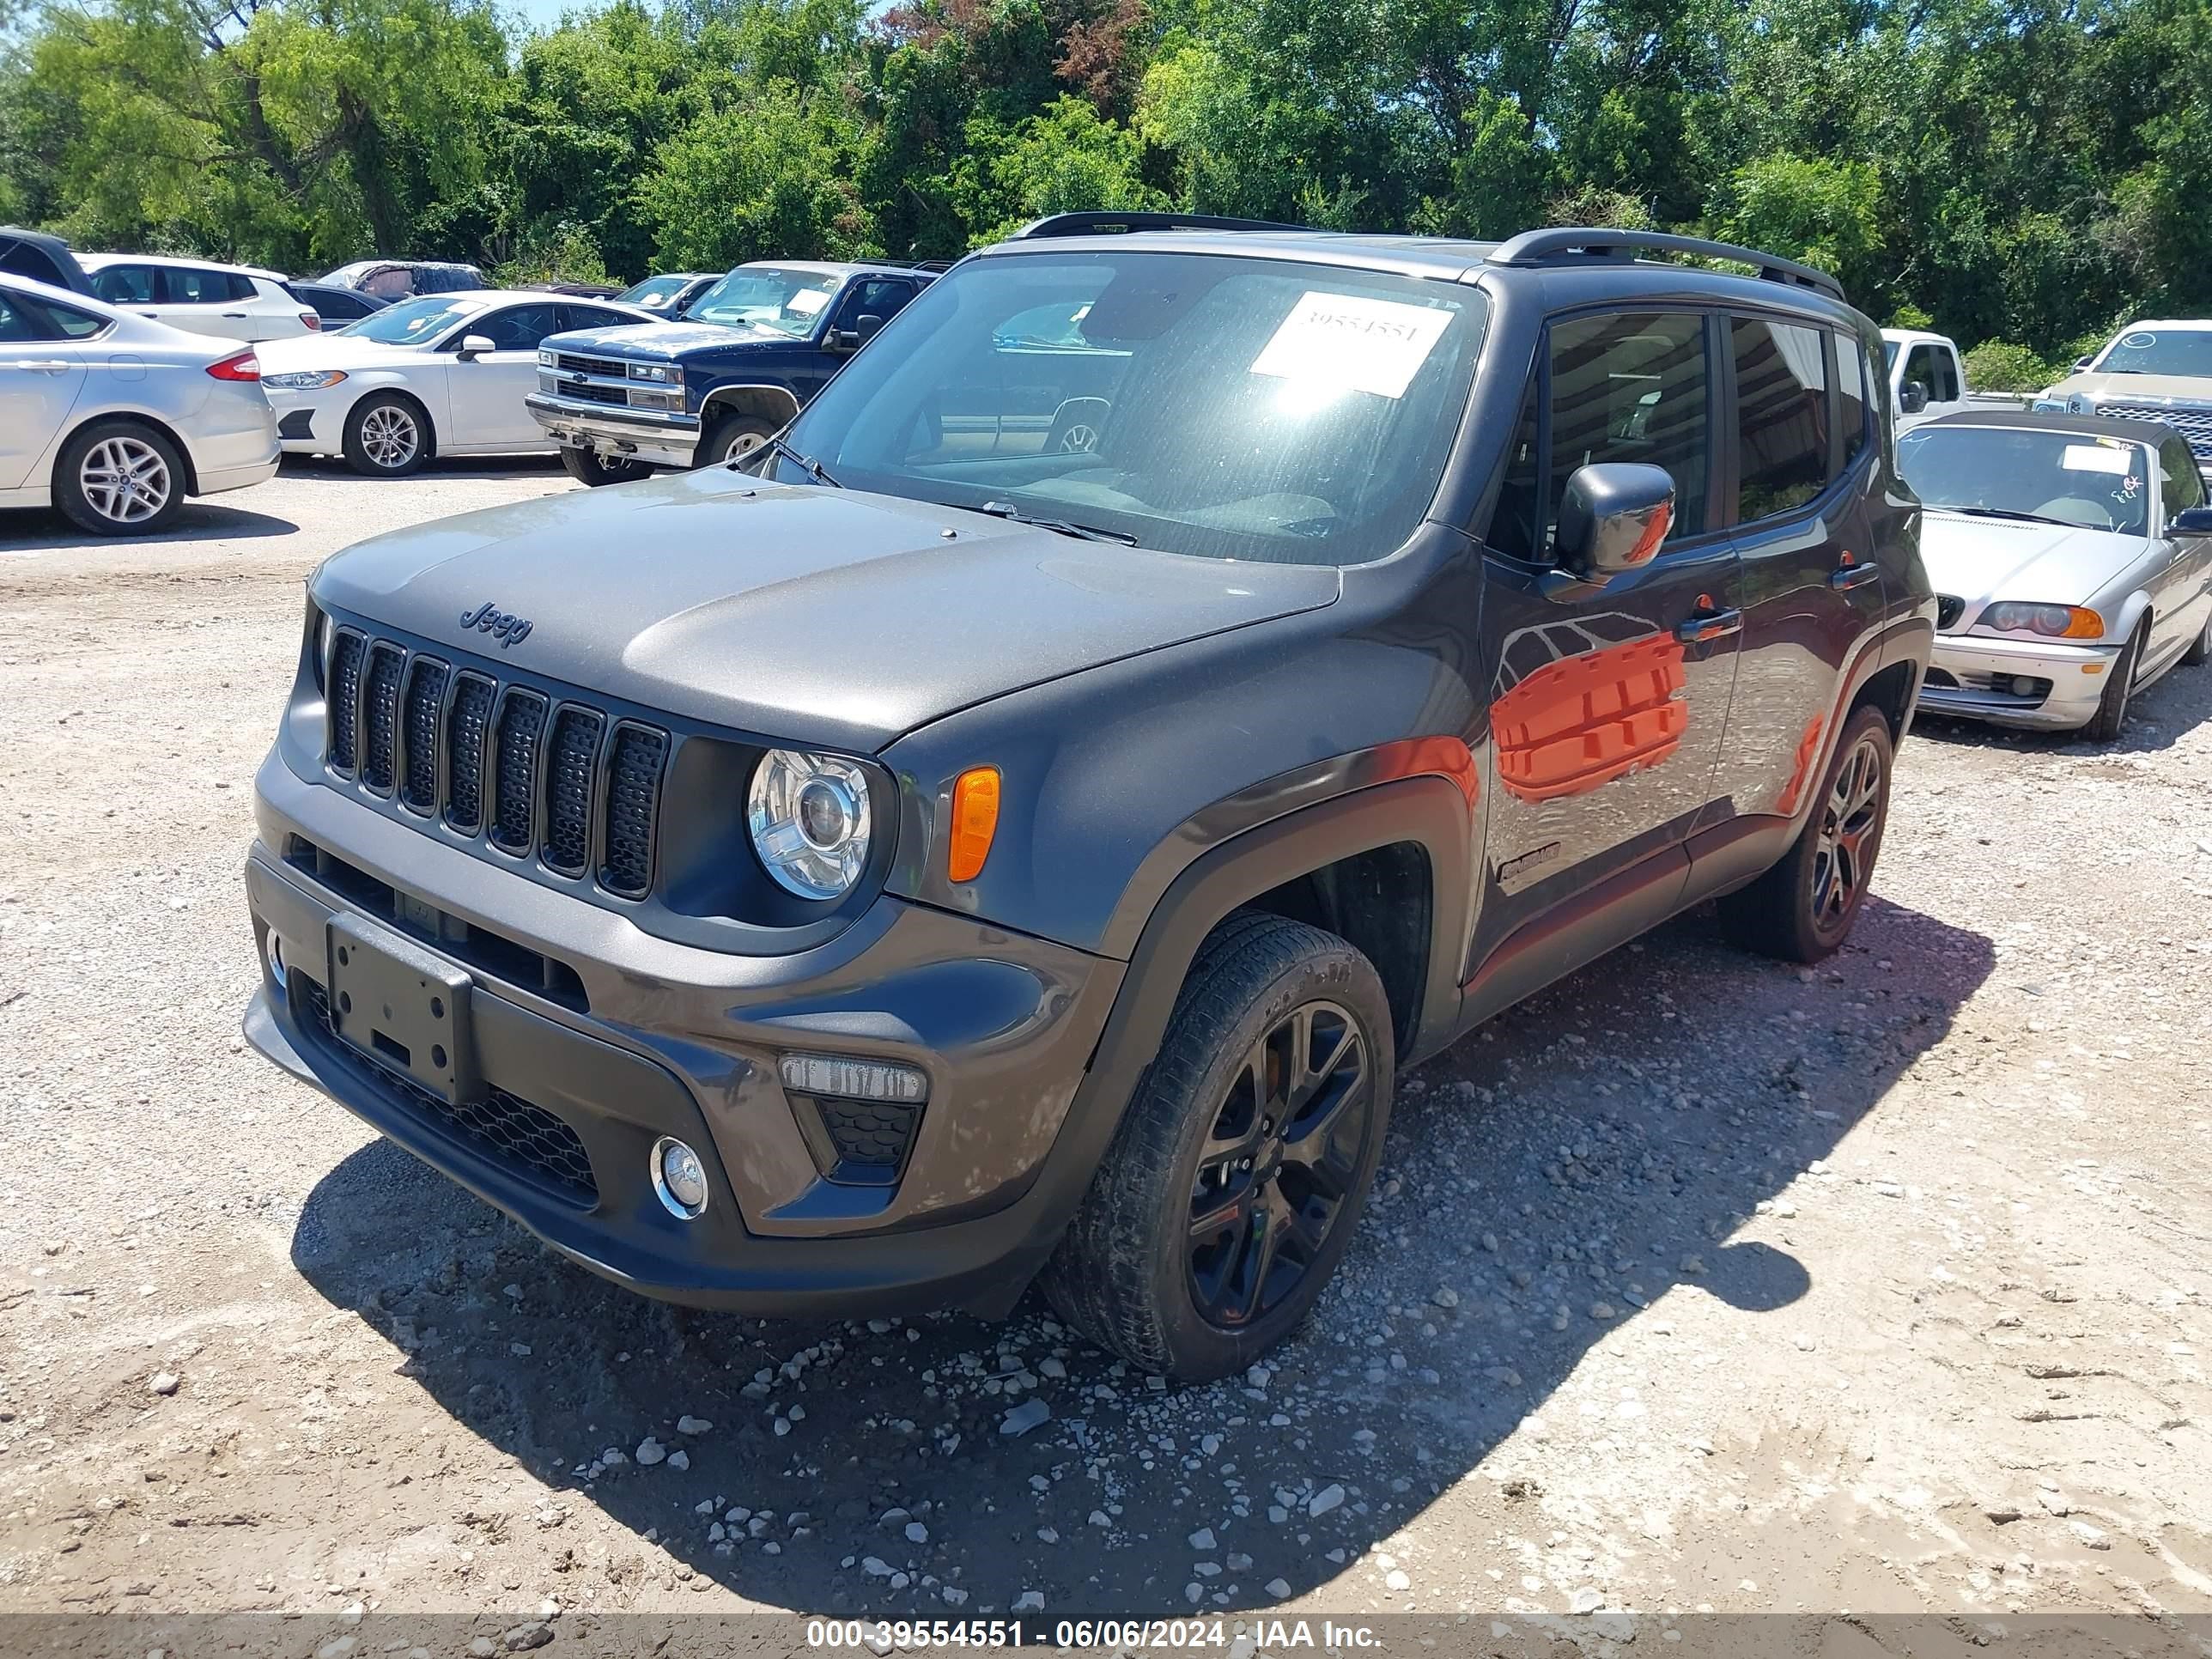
(2083, 363)
(1614, 517)
(1912, 396)
(2192, 521)
(842, 339)
(866, 325)
(474, 346)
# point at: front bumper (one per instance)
(654, 1037)
(312, 423)
(1980, 669)
(634, 435)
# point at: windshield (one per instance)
(2099, 483)
(653, 293)
(788, 302)
(1203, 403)
(2186, 351)
(411, 322)
(1889, 354)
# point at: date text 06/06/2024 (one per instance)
(1167, 1635)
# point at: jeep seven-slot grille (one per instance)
(529, 772)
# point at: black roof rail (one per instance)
(1567, 243)
(1093, 224)
(939, 267)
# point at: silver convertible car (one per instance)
(2072, 561)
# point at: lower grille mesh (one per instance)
(505, 1128)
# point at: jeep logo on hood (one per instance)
(489, 618)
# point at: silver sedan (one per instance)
(2072, 561)
(115, 419)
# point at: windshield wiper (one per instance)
(1088, 532)
(807, 464)
(2007, 513)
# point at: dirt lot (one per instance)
(1696, 1283)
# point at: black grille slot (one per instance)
(614, 368)
(425, 696)
(870, 1137)
(514, 769)
(570, 755)
(466, 726)
(379, 716)
(633, 804)
(344, 681)
(502, 1127)
(1949, 607)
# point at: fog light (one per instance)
(679, 1178)
(2022, 686)
(275, 949)
(852, 1079)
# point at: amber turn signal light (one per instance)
(975, 820)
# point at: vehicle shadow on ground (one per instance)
(2157, 719)
(1550, 1179)
(330, 468)
(46, 530)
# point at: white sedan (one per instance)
(234, 302)
(115, 419)
(441, 375)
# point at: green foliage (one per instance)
(2018, 172)
(2001, 366)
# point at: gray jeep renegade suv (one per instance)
(1182, 673)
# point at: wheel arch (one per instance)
(406, 393)
(138, 417)
(774, 404)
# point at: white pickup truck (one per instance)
(1928, 378)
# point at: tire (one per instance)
(2200, 648)
(732, 435)
(118, 478)
(2111, 713)
(388, 436)
(588, 466)
(1138, 1272)
(1804, 908)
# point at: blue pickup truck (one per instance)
(749, 355)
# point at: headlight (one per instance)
(2076, 404)
(2057, 622)
(306, 379)
(546, 360)
(659, 373)
(809, 816)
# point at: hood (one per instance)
(669, 339)
(1982, 560)
(2137, 388)
(310, 351)
(798, 613)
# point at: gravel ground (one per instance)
(1697, 1282)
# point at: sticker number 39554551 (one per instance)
(1351, 343)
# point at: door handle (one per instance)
(234, 316)
(1845, 577)
(1701, 626)
(40, 366)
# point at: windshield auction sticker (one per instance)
(2096, 457)
(1353, 343)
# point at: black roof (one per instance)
(2079, 426)
(41, 258)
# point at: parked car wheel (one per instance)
(588, 466)
(388, 436)
(1237, 1177)
(733, 436)
(2200, 648)
(118, 478)
(1804, 908)
(2111, 713)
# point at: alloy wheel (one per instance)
(389, 436)
(125, 480)
(1279, 1163)
(1850, 827)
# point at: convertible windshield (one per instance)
(788, 302)
(1203, 403)
(2186, 351)
(2099, 483)
(411, 322)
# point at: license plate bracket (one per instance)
(405, 1007)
